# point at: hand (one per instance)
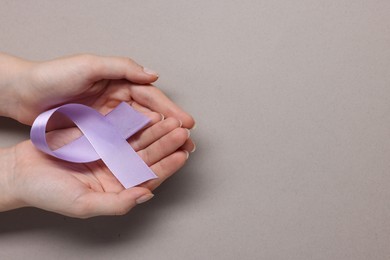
(29, 88)
(31, 178)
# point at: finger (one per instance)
(153, 116)
(189, 146)
(164, 146)
(117, 68)
(166, 168)
(145, 138)
(105, 203)
(138, 107)
(154, 99)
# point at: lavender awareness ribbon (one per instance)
(104, 138)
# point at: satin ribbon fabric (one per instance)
(104, 137)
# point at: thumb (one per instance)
(110, 203)
(117, 68)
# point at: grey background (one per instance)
(292, 103)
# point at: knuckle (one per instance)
(178, 160)
(171, 122)
(180, 134)
(130, 63)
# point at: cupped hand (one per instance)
(88, 79)
(86, 190)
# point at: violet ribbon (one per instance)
(104, 137)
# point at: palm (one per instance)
(48, 181)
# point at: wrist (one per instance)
(13, 73)
(8, 198)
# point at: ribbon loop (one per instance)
(104, 137)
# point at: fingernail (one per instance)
(144, 198)
(187, 154)
(181, 123)
(150, 72)
(194, 149)
(193, 126)
(188, 133)
(162, 117)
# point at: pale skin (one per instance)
(30, 178)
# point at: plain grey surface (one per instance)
(292, 104)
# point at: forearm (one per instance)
(12, 74)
